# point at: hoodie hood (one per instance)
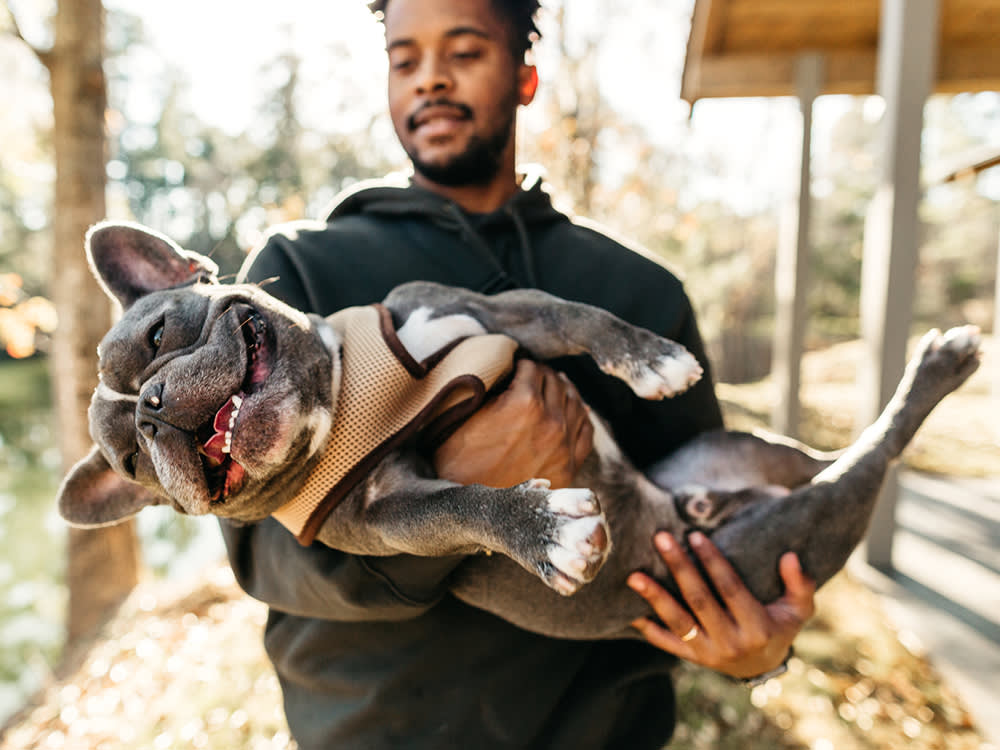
(398, 197)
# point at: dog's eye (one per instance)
(129, 463)
(156, 336)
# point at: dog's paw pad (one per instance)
(580, 547)
(659, 377)
(962, 340)
(574, 502)
(668, 376)
(949, 355)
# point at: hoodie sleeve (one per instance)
(318, 581)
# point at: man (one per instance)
(371, 652)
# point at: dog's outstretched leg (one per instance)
(824, 521)
(549, 327)
(561, 536)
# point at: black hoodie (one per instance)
(371, 652)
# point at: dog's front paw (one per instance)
(659, 370)
(577, 539)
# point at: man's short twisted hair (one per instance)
(519, 14)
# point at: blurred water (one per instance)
(32, 537)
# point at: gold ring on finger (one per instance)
(691, 634)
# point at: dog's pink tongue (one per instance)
(212, 450)
(213, 447)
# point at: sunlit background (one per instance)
(226, 117)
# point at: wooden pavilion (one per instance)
(902, 50)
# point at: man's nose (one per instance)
(434, 77)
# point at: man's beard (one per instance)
(478, 164)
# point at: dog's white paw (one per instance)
(944, 360)
(962, 340)
(661, 377)
(580, 540)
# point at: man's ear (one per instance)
(527, 84)
(131, 261)
(93, 495)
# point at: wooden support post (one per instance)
(995, 385)
(996, 322)
(792, 263)
(906, 68)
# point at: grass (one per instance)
(25, 384)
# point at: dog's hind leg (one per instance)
(824, 521)
(725, 461)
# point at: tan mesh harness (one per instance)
(387, 398)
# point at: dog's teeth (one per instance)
(237, 403)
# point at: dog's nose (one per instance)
(150, 402)
(152, 397)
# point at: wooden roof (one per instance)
(749, 47)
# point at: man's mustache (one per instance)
(461, 110)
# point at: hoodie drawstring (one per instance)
(527, 252)
(501, 280)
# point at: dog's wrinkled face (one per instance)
(210, 396)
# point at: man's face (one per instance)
(454, 87)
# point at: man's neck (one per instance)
(475, 199)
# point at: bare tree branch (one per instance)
(14, 30)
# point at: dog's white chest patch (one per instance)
(423, 336)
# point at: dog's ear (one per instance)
(93, 495)
(131, 261)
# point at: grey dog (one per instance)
(220, 399)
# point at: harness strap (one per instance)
(386, 399)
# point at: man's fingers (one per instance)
(692, 585)
(800, 590)
(681, 628)
(578, 426)
(528, 377)
(584, 442)
(725, 579)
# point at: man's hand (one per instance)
(537, 428)
(740, 637)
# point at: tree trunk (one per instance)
(103, 564)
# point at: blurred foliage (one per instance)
(666, 181)
(24, 320)
(212, 191)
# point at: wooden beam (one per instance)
(963, 69)
(705, 38)
(845, 72)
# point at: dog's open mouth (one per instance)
(224, 475)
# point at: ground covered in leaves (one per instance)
(182, 665)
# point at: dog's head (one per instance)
(212, 398)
